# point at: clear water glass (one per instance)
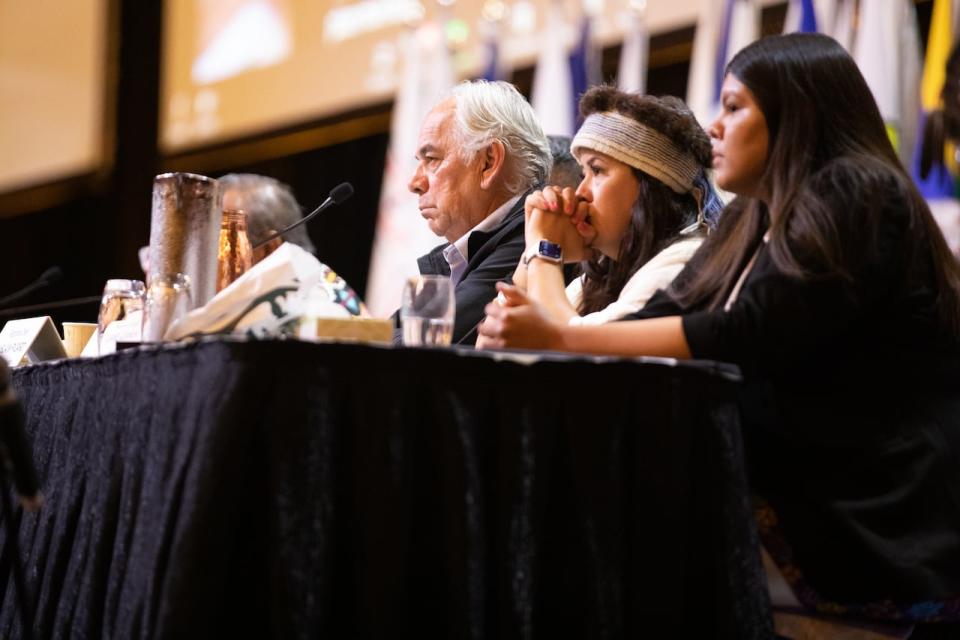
(427, 311)
(167, 300)
(122, 301)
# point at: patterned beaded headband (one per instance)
(644, 148)
(639, 146)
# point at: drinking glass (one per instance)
(234, 254)
(122, 302)
(427, 311)
(167, 300)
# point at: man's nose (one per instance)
(417, 184)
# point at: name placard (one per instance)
(30, 340)
(363, 330)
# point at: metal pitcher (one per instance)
(184, 231)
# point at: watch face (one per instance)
(550, 250)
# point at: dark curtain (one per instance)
(292, 490)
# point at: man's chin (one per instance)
(438, 230)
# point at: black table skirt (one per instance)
(292, 490)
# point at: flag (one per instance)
(401, 234)
(701, 80)
(584, 68)
(887, 53)
(553, 90)
(939, 184)
(801, 16)
(911, 71)
(493, 64)
(632, 76)
(843, 23)
(719, 36)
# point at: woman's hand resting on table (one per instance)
(557, 215)
(513, 320)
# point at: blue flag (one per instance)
(580, 63)
(808, 17)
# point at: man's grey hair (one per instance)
(270, 206)
(488, 111)
(566, 170)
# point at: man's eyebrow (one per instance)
(427, 148)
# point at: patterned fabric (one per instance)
(638, 146)
(644, 148)
(340, 292)
(782, 554)
(709, 202)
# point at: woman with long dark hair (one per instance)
(639, 213)
(830, 285)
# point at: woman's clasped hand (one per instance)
(557, 214)
(513, 320)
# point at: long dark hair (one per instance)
(818, 110)
(659, 214)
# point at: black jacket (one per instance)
(850, 407)
(493, 255)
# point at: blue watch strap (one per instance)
(546, 250)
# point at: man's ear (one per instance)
(493, 159)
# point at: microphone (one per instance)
(13, 312)
(337, 195)
(50, 276)
(15, 451)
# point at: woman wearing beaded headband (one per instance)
(641, 210)
(828, 282)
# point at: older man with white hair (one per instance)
(480, 150)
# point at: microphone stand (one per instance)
(276, 234)
(337, 195)
(72, 302)
(48, 277)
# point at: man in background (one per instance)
(566, 171)
(270, 206)
(480, 151)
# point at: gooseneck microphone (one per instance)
(337, 195)
(48, 277)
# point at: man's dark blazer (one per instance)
(493, 255)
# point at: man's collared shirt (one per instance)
(456, 254)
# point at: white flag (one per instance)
(552, 93)
(887, 50)
(402, 235)
(703, 62)
(633, 56)
(722, 30)
(843, 27)
(875, 51)
(744, 26)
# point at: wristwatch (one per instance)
(545, 250)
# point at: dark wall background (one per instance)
(91, 226)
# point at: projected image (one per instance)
(240, 35)
(233, 67)
(237, 67)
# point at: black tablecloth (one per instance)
(291, 490)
